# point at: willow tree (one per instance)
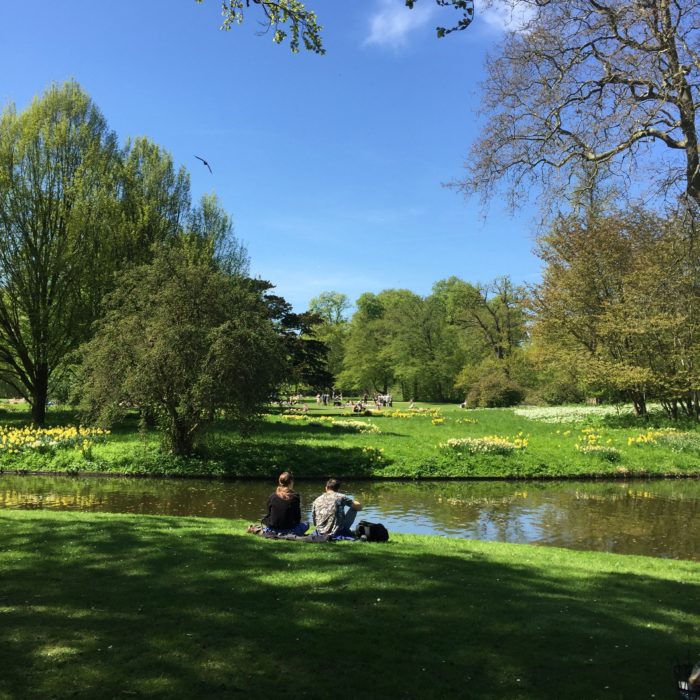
(58, 182)
(606, 84)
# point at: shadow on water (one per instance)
(169, 611)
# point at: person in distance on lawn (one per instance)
(284, 508)
(329, 511)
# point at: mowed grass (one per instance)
(133, 606)
(410, 447)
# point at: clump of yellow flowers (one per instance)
(17, 440)
(650, 437)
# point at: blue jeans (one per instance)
(299, 530)
(348, 520)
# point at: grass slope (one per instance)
(403, 447)
(135, 606)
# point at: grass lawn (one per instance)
(135, 606)
(399, 444)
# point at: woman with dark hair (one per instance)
(284, 508)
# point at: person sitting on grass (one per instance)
(329, 514)
(284, 509)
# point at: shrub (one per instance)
(495, 391)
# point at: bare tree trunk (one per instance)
(40, 390)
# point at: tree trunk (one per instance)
(640, 405)
(148, 418)
(181, 440)
(40, 391)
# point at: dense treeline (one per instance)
(463, 339)
(616, 317)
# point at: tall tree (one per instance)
(398, 338)
(367, 365)
(494, 311)
(155, 199)
(152, 206)
(331, 308)
(592, 82)
(212, 226)
(426, 353)
(491, 319)
(620, 301)
(58, 162)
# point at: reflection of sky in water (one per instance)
(660, 518)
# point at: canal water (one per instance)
(655, 518)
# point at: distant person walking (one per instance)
(329, 511)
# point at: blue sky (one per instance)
(331, 166)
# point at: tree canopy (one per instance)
(620, 301)
(597, 83)
(59, 166)
(75, 209)
(290, 19)
(183, 339)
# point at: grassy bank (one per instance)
(562, 442)
(120, 606)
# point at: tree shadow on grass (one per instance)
(295, 430)
(163, 607)
(267, 458)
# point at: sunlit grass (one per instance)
(395, 443)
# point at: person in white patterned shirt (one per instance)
(329, 511)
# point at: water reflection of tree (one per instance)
(634, 520)
(634, 517)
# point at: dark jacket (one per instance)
(283, 513)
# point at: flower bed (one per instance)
(357, 426)
(416, 413)
(490, 444)
(570, 414)
(17, 440)
(654, 437)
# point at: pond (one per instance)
(655, 518)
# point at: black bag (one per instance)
(373, 532)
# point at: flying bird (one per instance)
(205, 163)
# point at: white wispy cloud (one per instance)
(506, 16)
(392, 22)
